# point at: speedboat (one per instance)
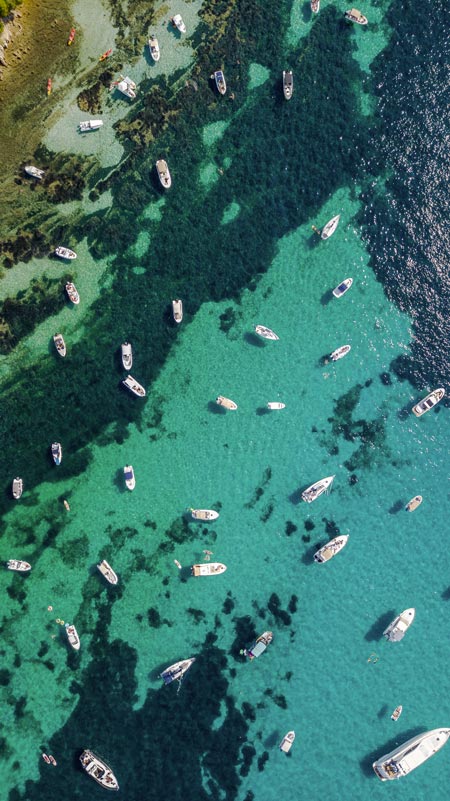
(130, 480)
(208, 569)
(90, 125)
(315, 490)
(265, 333)
(35, 172)
(177, 309)
(343, 287)
(397, 712)
(177, 22)
(127, 356)
(286, 743)
(315, 6)
(65, 253)
(137, 389)
(339, 353)
(153, 46)
(127, 87)
(226, 403)
(72, 293)
(329, 229)
(71, 36)
(427, 403)
(17, 488)
(176, 672)
(107, 571)
(276, 405)
(18, 565)
(219, 78)
(405, 758)
(204, 514)
(60, 345)
(259, 646)
(164, 175)
(72, 636)
(355, 16)
(288, 84)
(331, 549)
(98, 770)
(396, 630)
(57, 452)
(413, 503)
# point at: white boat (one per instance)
(286, 743)
(396, 630)
(107, 571)
(72, 293)
(177, 22)
(204, 514)
(137, 389)
(127, 87)
(276, 405)
(176, 672)
(177, 310)
(208, 569)
(153, 46)
(35, 172)
(288, 84)
(331, 549)
(343, 287)
(265, 333)
(315, 490)
(130, 480)
(127, 356)
(164, 175)
(339, 353)
(57, 452)
(90, 125)
(226, 403)
(17, 488)
(65, 253)
(60, 345)
(427, 403)
(396, 713)
(355, 16)
(259, 646)
(18, 565)
(329, 229)
(405, 758)
(72, 636)
(413, 503)
(315, 6)
(98, 770)
(219, 78)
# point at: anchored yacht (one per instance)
(399, 626)
(405, 758)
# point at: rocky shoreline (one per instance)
(12, 30)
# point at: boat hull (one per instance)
(339, 353)
(204, 514)
(98, 770)
(343, 287)
(317, 489)
(413, 503)
(329, 229)
(176, 671)
(410, 755)
(329, 550)
(226, 403)
(107, 572)
(135, 388)
(287, 741)
(265, 333)
(400, 625)
(429, 402)
(208, 569)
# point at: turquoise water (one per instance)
(328, 674)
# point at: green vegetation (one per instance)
(5, 7)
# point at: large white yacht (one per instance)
(72, 636)
(396, 630)
(99, 770)
(204, 514)
(315, 490)
(137, 389)
(127, 87)
(331, 549)
(176, 672)
(208, 569)
(127, 356)
(329, 229)
(405, 758)
(265, 333)
(35, 172)
(18, 565)
(427, 403)
(339, 353)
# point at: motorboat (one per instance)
(98, 770)
(66, 505)
(315, 490)
(90, 125)
(130, 480)
(355, 16)
(265, 333)
(176, 672)
(413, 503)
(164, 175)
(329, 550)
(259, 646)
(343, 287)
(127, 87)
(107, 571)
(17, 488)
(339, 353)
(427, 403)
(204, 514)
(396, 630)
(127, 356)
(106, 54)
(46, 758)
(137, 389)
(153, 46)
(286, 743)
(397, 712)
(208, 569)
(57, 452)
(18, 565)
(329, 229)
(177, 310)
(288, 84)
(177, 22)
(72, 636)
(52, 760)
(226, 403)
(60, 345)
(276, 405)
(71, 36)
(72, 293)
(315, 6)
(219, 78)
(35, 172)
(405, 758)
(65, 253)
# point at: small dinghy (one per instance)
(286, 743)
(72, 636)
(397, 712)
(130, 480)
(339, 353)
(127, 356)
(18, 565)
(72, 293)
(60, 345)
(265, 333)
(413, 503)
(17, 488)
(177, 310)
(204, 514)
(276, 405)
(226, 403)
